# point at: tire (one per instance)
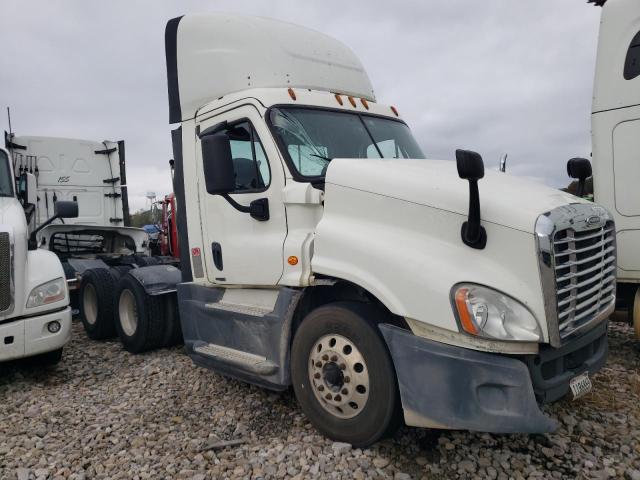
(173, 331)
(140, 319)
(634, 313)
(371, 409)
(118, 271)
(95, 301)
(47, 359)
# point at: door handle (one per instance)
(216, 249)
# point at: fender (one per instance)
(157, 279)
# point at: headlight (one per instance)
(49, 292)
(487, 313)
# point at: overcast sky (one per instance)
(496, 76)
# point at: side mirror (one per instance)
(580, 169)
(470, 165)
(217, 162)
(64, 209)
(220, 175)
(27, 189)
(471, 168)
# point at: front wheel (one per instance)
(343, 375)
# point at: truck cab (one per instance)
(615, 133)
(321, 248)
(35, 318)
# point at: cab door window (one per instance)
(249, 159)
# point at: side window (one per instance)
(249, 159)
(632, 62)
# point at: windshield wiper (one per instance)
(321, 156)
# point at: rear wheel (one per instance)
(343, 375)
(140, 320)
(96, 303)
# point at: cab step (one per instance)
(238, 358)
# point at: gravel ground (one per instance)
(104, 413)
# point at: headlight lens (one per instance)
(487, 313)
(49, 292)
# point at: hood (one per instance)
(505, 200)
(12, 214)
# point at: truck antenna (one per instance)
(11, 140)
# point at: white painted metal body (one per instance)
(69, 169)
(616, 132)
(31, 268)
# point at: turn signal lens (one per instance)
(463, 311)
(293, 260)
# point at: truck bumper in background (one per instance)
(29, 336)
(443, 386)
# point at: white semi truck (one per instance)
(615, 130)
(93, 174)
(321, 249)
(35, 317)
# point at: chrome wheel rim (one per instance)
(90, 304)
(339, 376)
(128, 312)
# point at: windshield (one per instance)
(6, 180)
(312, 137)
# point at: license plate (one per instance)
(580, 385)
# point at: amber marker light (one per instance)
(292, 94)
(352, 101)
(338, 99)
(365, 104)
(394, 110)
(293, 260)
(463, 311)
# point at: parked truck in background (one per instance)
(615, 133)
(35, 317)
(91, 173)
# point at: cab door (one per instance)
(239, 249)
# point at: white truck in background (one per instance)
(615, 133)
(91, 173)
(35, 317)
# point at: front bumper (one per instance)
(29, 336)
(552, 368)
(443, 386)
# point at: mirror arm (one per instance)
(32, 245)
(473, 233)
(236, 205)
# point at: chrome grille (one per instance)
(5, 272)
(585, 272)
(577, 259)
